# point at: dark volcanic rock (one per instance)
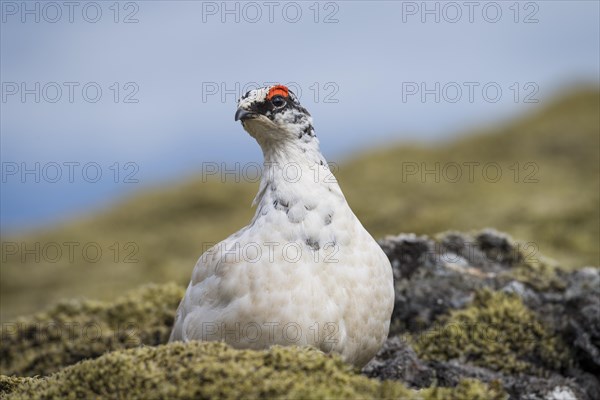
(519, 386)
(583, 308)
(432, 277)
(435, 277)
(397, 360)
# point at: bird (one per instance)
(304, 271)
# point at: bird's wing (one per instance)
(203, 287)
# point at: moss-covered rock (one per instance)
(496, 331)
(200, 370)
(540, 274)
(484, 306)
(467, 389)
(76, 330)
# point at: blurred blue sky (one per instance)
(360, 67)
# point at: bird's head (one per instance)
(273, 114)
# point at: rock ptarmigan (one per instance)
(304, 271)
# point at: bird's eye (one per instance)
(278, 101)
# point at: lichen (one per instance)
(496, 331)
(76, 330)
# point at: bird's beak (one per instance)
(241, 114)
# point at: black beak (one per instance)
(242, 115)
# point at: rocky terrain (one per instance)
(487, 308)
(477, 316)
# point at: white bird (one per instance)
(304, 271)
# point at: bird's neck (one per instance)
(302, 152)
(293, 168)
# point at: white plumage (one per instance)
(304, 271)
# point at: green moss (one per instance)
(467, 389)
(106, 368)
(202, 370)
(540, 273)
(209, 370)
(75, 330)
(10, 384)
(496, 331)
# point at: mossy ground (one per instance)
(496, 331)
(201, 370)
(76, 330)
(134, 363)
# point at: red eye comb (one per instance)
(278, 90)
